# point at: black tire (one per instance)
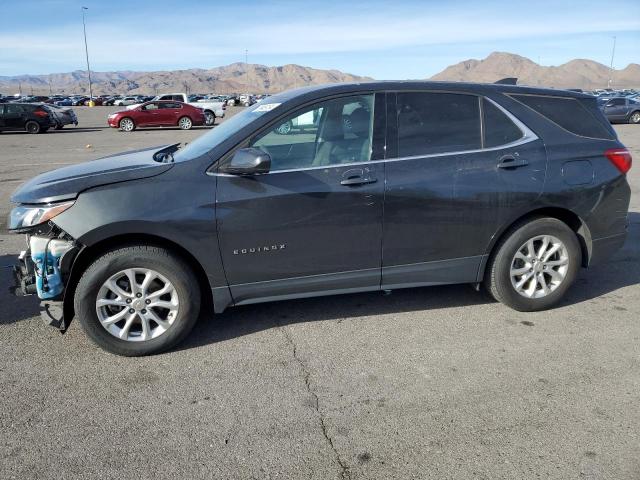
(171, 266)
(32, 127)
(634, 118)
(59, 127)
(209, 118)
(497, 275)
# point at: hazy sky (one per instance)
(383, 39)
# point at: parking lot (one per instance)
(433, 382)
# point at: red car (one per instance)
(160, 113)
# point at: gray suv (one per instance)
(372, 186)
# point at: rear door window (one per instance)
(568, 113)
(14, 109)
(498, 127)
(431, 123)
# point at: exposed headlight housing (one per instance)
(27, 216)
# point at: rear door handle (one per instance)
(510, 162)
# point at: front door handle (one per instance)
(357, 181)
(358, 176)
(510, 162)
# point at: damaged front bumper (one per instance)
(46, 280)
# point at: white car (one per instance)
(121, 102)
(212, 110)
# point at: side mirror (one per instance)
(248, 161)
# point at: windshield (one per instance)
(223, 131)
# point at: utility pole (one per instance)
(246, 67)
(86, 51)
(50, 91)
(613, 52)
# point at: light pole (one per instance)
(613, 52)
(246, 67)
(86, 51)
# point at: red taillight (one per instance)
(620, 157)
(40, 113)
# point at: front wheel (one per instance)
(635, 118)
(127, 125)
(534, 265)
(137, 300)
(185, 123)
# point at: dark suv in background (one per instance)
(34, 118)
(388, 185)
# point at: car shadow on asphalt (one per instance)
(56, 132)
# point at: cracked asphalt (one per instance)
(425, 383)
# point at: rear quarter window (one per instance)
(498, 128)
(569, 113)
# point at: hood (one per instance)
(66, 183)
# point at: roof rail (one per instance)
(507, 81)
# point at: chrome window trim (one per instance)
(527, 136)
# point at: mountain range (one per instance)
(578, 73)
(237, 77)
(240, 77)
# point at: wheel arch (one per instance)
(89, 253)
(568, 217)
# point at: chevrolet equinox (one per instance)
(327, 190)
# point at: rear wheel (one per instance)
(127, 125)
(534, 265)
(185, 123)
(209, 118)
(138, 300)
(32, 127)
(635, 118)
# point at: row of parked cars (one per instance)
(173, 109)
(620, 106)
(244, 99)
(35, 117)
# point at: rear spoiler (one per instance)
(507, 81)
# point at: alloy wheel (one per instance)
(635, 118)
(137, 304)
(126, 124)
(539, 266)
(209, 118)
(185, 123)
